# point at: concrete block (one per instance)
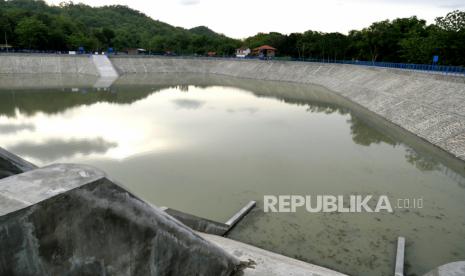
(73, 220)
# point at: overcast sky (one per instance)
(242, 18)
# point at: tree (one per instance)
(5, 28)
(32, 33)
(418, 49)
(376, 38)
(454, 21)
(108, 35)
(451, 32)
(34, 24)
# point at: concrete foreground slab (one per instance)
(268, 263)
(73, 220)
(450, 269)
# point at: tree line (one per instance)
(32, 24)
(408, 40)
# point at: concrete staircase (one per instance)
(104, 66)
(107, 72)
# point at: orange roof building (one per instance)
(265, 51)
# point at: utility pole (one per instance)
(6, 43)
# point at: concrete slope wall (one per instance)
(47, 64)
(428, 105)
(73, 220)
(11, 164)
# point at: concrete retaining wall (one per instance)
(428, 105)
(47, 64)
(73, 220)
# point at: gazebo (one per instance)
(265, 51)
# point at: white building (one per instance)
(242, 52)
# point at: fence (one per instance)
(406, 66)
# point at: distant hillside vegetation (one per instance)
(33, 24)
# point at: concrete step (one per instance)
(104, 66)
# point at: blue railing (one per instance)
(407, 66)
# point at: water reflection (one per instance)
(421, 162)
(130, 89)
(56, 149)
(53, 101)
(188, 104)
(14, 128)
(364, 135)
(133, 88)
(324, 108)
(249, 110)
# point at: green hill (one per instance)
(32, 24)
(203, 30)
(35, 25)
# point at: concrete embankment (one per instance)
(47, 64)
(428, 105)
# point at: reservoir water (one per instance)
(207, 145)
